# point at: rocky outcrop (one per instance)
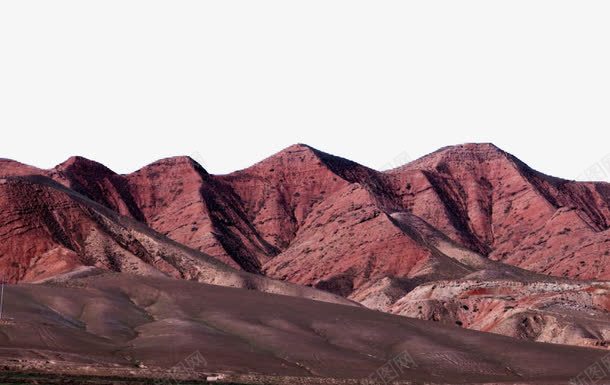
(574, 313)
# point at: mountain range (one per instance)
(468, 236)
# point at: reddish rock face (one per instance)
(462, 213)
(11, 168)
(495, 204)
(477, 195)
(49, 232)
(279, 193)
(46, 232)
(170, 195)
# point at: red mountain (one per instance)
(493, 203)
(460, 216)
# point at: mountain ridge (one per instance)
(464, 212)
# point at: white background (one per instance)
(231, 82)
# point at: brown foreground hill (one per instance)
(145, 327)
(468, 235)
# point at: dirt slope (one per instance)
(122, 321)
